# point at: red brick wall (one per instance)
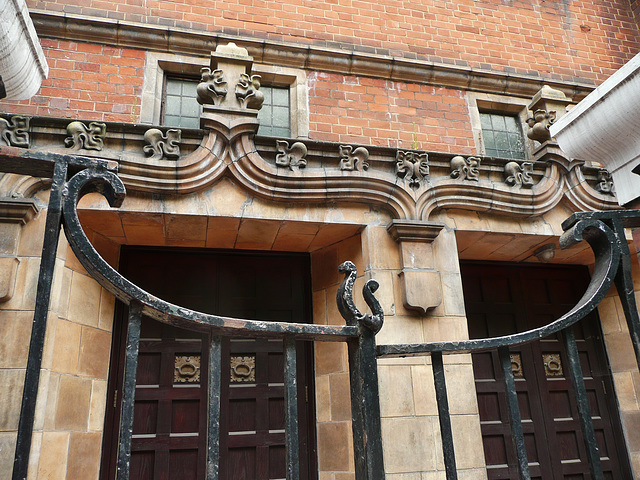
(577, 39)
(87, 81)
(378, 112)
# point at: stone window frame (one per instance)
(159, 64)
(498, 104)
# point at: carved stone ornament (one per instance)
(291, 157)
(212, 88)
(15, 131)
(605, 182)
(465, 168)
(539, 125)
(552, 365)
(353, 159)
(248, 91)
(412, 167)
(89, 138)
(516, 365)
(187, 369)
(160, 145)
(243, 369)
(517, 175)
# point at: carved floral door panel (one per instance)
(505, 299)
(169, 441)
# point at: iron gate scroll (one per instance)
(74, 176)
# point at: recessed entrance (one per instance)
(503, 299)
(170, 427)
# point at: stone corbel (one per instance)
(420, 280)
(547, 106)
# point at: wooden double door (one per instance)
(170, 414)
(501, 300)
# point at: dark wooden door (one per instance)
(504, 299)
(169, 441)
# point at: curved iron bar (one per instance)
(346, 305)
(604, 244)
(112, 188)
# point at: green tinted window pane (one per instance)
(511, 124)
(266, 91)
(492, 152)
(485, 121)
(190, 108)
(280, 132)
(498, 122)
(489, 140)
(515, 141)
(181, 109)
(172, 120)
(281, 96)
(280, 117)
(502, 141)
(190, 122)
(174, 86)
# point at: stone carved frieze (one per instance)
(539, 125)
(465, 168)
(292, 156)
(248, 91)
(161, 145)
(518, 175)
(212, 88)
(412, 167)
(83, 137)
(605, 182)
(15, 131)
(353, 159)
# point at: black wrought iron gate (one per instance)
(74, 176)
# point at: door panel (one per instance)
(505, 299)
(170, 406)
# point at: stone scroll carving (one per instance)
(248, 91)
(353, 159)
(605, 182)
(518, 175)
(212, 88)
(88, 138)
(539, 125)
(159, 145)
(465, 168)
(412, 167)
(292, 156)
(15, 131)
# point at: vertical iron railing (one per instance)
(605, 233)
(603, 230)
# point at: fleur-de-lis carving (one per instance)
(412, 167)
(89, 138)
(212, 88)
(353, 159)
(539, 125)
(465, 168)
(248, 91)
(291, 157)
(605, 182)
(517, 175)
(15, 131)
(160, 145)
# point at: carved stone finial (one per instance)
(605, 182)
(350, 158)
(412, 167)
(517, 175)
(212, 88)
(346, 305)
(248, 91)
(465, 168)
(539, 125)
(291, 157)
(15, 131)
(160, 145)
(89, 138)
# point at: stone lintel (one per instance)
(414, 230)
(17, 210)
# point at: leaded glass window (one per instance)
(502, 136)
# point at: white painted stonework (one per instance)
(22, 62)
(605, 128)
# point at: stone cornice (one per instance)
(17, 210)
(177, 40)
(412, 230)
